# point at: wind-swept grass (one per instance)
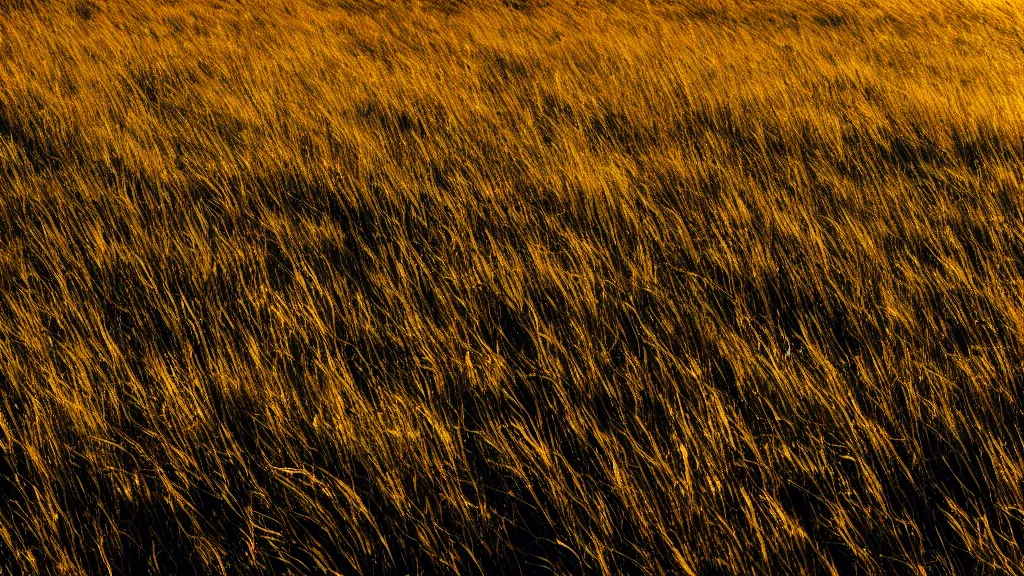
(666, 287)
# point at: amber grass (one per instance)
(661, 287)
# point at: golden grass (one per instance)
(341, 286)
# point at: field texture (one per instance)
(664, 287)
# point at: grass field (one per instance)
(594, 287)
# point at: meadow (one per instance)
(500, 287)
